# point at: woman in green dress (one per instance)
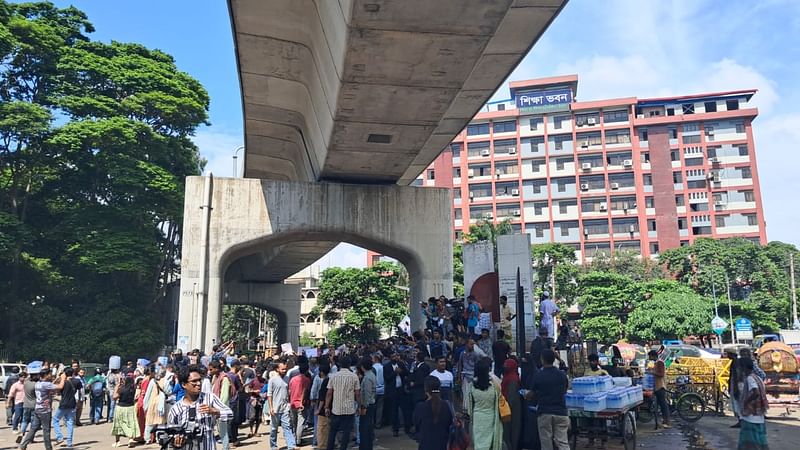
(487, 429)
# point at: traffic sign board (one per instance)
(743, 324)
(718, 324)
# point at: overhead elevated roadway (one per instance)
(347, 92)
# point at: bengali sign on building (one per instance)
(544, 101)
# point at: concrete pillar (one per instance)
(283, 300)
(251, 216)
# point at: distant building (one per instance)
(309, 279)
(633, 174)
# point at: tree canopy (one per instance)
(364, 302)
(94, 148)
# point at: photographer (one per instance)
(196, 413)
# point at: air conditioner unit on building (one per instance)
(471, 195)
(591, 120)
(486, 152)
(632, 228)
(584, 186)
(586, 166)
(515, 192)
(709, 132)
(603, 206)
(717, 179)
(584, 144)
(516, 213)
(714, 160)
(470, 173)
(640, 116)
(627, 163)
(720, 203)
(488, 215)
(614, 185)
(512, 151)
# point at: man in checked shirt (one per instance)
(204, 406)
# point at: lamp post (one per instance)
(249, 322)
(235, 157)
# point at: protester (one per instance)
(445, 378)
(368, 390)
(42, 413)
(507, 314)
(28, 404)
(66, 408)
(10, 381)
(112, 381)
(472, 314)
(396, 399)
(298, 401)
(205, 409)
(482, 405)
(500, 352)
(432, 418)
(549, 389)
(380, 390)
(154, 407)
(80, 374)
(342, 396)
(278, 402)
(419, 371)
(510, 390)
(16, 401)
(323, 424)
(548, 310)
(125, 422)
(466, 369)
(97, 390)
(485, 343)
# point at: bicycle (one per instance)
(688, 405)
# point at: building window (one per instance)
(696, 184)
(501, 106)
(674, 155)
(679, 201)
(456, 149)
(562, 186)
(711, 107)
(505, 127)
(458, 214)
(538, 208)
(478, 128)
(720, 220)
(752, 220)
(749, 196)
(560, 163)
(742, 150)
(688, 108)
(649, 202)
(535, 122)
(478, 149)
(647, 179)
(557, 121)
(536, 166)
(740, 128)
(682, 223)
(537, 188)
(457, 193)
(643, 135)
(618, 137)
(677, 178)
(691, 127)
(615, 116)
(693, 139)
(651, 225)
(645, 157)
(431, 174)
(563, 207)
(670, 111)
(456, 172)
(539, 231)
(732, 104)
(673, 133)
(558, 141)
(746, 173)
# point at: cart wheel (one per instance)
(691, 407)
(628, 432)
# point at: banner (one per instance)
(544, 101)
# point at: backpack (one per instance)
(97, 388)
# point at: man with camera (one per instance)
(192, 420)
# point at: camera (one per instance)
(191, 430)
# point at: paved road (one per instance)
(711, 433)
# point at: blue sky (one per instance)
(618, 48)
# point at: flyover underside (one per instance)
(370, 91)
(233, 228)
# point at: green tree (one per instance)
(458, 270)
(365, 301)
(670, 314)
(544, 257)
(307, 340)
(90, 203)
(605, 298)
(626, 262)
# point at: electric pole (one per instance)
(795, 322)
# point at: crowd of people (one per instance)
(456, 374)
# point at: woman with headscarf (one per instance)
(510, 387)
(484, 412)
(432, 418)
(154, 407)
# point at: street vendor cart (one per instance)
(601, 425)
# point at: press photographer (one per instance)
(192, 421)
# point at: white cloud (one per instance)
(217, 145)
(343, 255)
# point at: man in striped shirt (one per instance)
(207, 409)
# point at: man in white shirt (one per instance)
(379, 391)
(445, 378)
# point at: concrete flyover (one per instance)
(354, 97)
